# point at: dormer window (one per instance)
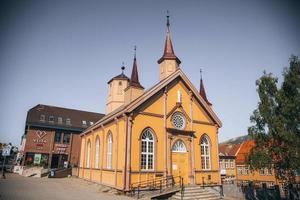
(59, 120)
(42, 118)
(51, 119)
(83, 122)
(68, 121)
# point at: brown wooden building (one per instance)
(51, 138)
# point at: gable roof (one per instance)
(244, 151)
(151, 92)
(76, 116)
(228, 149)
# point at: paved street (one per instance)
(17, 187)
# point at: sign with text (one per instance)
(37, 159)
(6, 150)
(40, 137)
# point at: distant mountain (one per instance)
(237, 140)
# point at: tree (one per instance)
(276, 123)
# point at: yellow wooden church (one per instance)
(168, 130)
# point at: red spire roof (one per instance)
(202, 92)
(134, 80)
(168, 51)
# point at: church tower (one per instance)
(116, 94)
(169, 62)
(135, 89)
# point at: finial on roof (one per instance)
(123, 68)
(200, 74)
(168, 20)
(134, 51)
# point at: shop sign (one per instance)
(40, 138)
(37, 159)
(61, 148)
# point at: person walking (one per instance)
(3, 172)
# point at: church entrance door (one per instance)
(180, 161)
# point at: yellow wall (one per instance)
(151, 116)
(230, 170)
(255, 176)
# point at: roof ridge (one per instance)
(71, 109)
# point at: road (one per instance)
(16, 187)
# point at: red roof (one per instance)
(244, 151)
(228, 149)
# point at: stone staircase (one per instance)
(196, 192)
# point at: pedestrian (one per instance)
(3, 172)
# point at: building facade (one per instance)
(246, 175)
(227, 156)
(168, 130)
(51, 138)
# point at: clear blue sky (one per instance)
(63, 53)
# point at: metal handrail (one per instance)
(157, 184)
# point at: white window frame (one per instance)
(42, 118)
(226, 163)
(109, 152)
(262, 172)
(180, 115)
(97, 148)
(59, 120)
(231, 163)
(179, 147)
(239, 170)
(246, 170)
(149, 141)
(205, 153)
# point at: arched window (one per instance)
(205, 153)
(178, 146)
(97, 145)
(109, 151)
(88, 154)
(147, 150)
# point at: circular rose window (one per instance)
(178, 120)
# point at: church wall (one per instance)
(197, 122)
(156, 107)
(139, 124)
(113, 176)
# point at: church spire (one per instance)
(202, 90)
(134, 80)
(168, 51)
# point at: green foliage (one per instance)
(276, 123)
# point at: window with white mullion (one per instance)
(147, 150)
(97, 147)
(109, 152)
(205, 153)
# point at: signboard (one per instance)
(61, 148)
(40, 137)
(37, 159)
(6, 151)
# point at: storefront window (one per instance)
(67, 138)
(36, 159)
(57, 138)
